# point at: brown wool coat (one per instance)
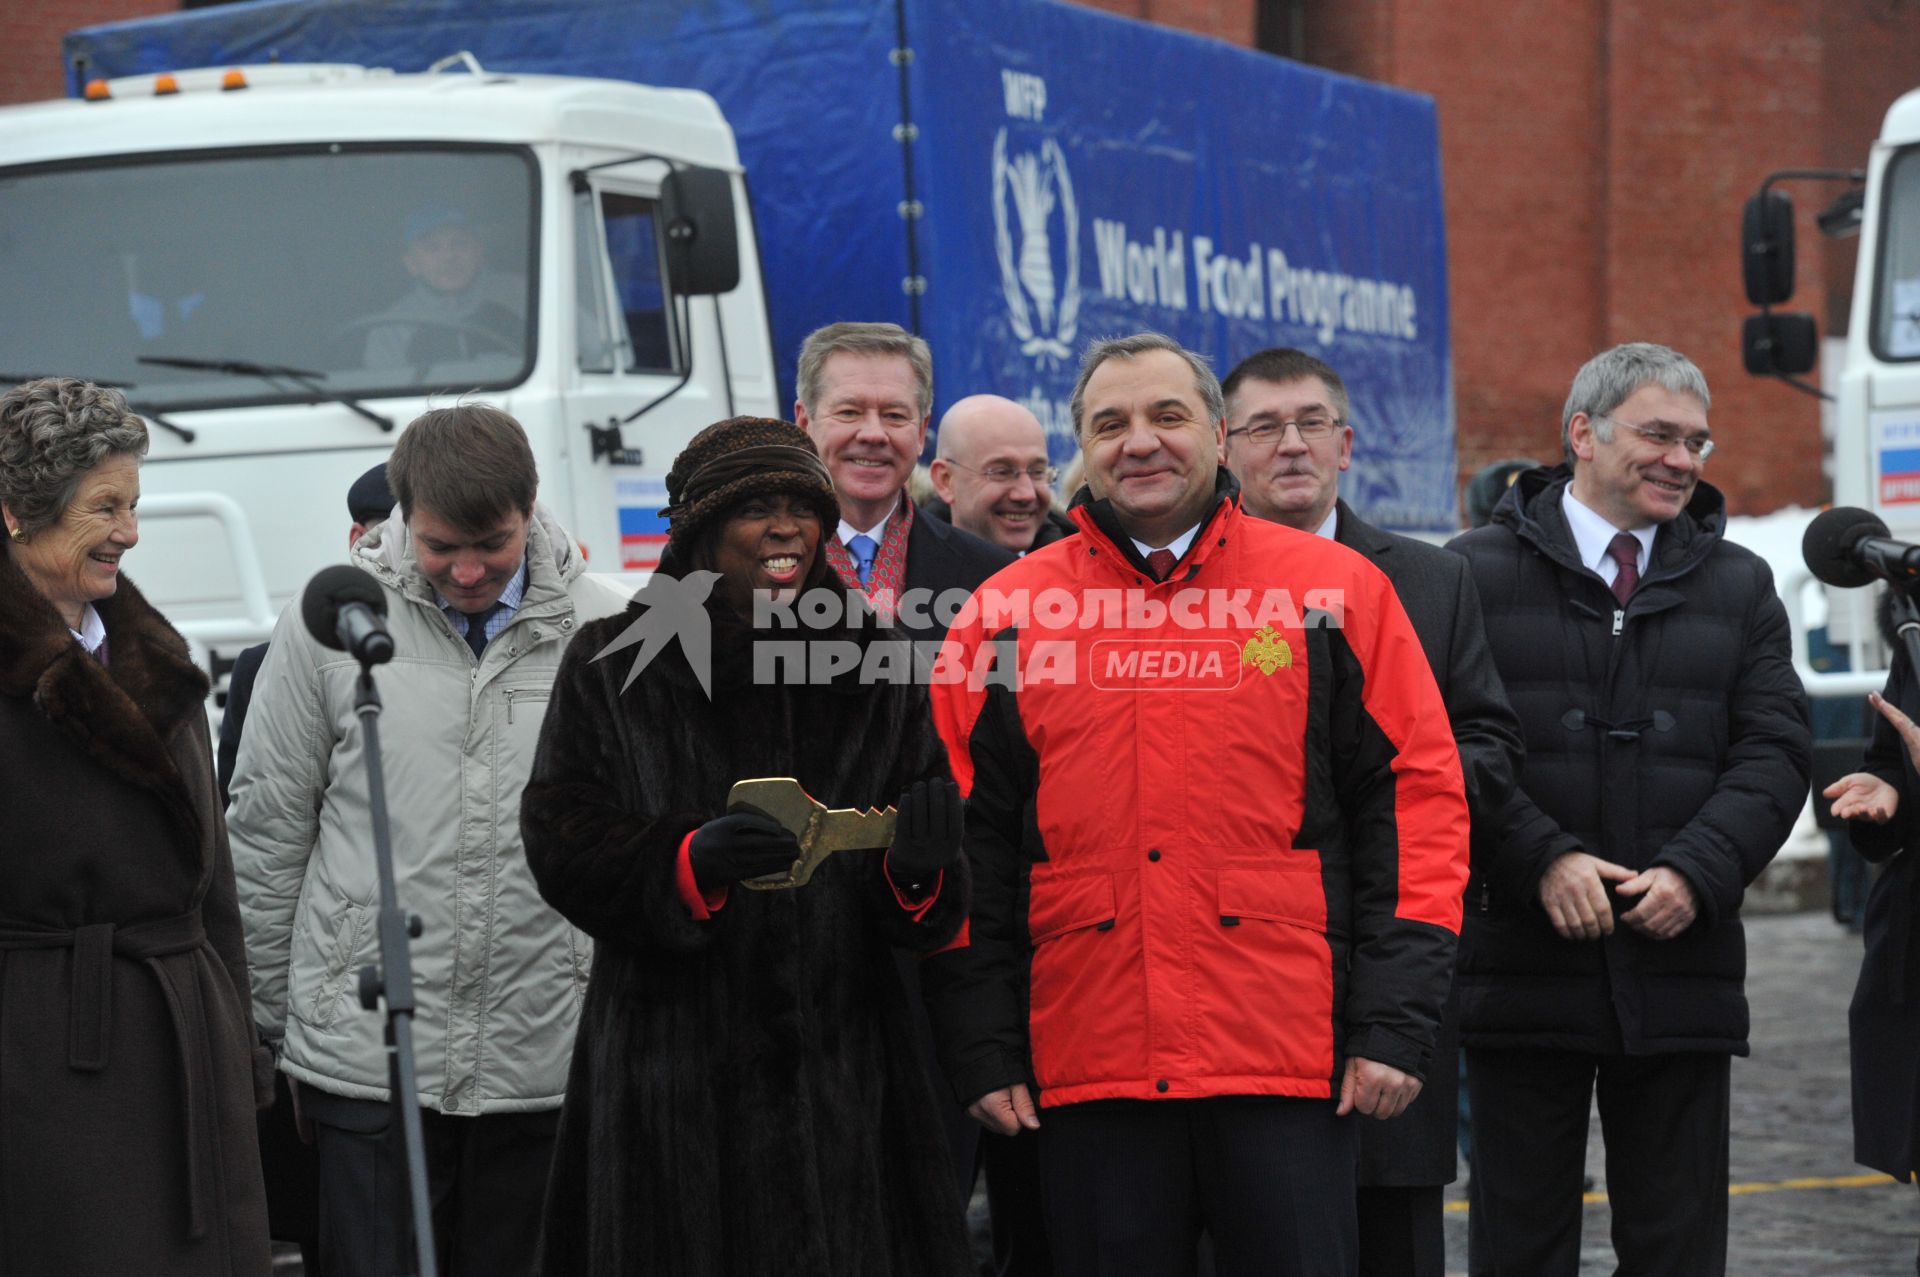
(127, 1066)
(747, 1096)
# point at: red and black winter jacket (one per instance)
(1210, 858)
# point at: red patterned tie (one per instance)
(1160, 563)
(1625, 549)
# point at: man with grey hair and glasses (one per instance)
(1667, 754)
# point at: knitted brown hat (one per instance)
(738, 458)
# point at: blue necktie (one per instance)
(862, 547)
(477, 629)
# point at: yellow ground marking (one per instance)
(1873, 1180)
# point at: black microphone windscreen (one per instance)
(332, 588)
(1828, 545)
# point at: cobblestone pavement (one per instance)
(1791, 1122)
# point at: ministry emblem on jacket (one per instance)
(1266, 651)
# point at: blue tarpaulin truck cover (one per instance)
(1009, 178)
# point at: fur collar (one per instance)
(121, 716)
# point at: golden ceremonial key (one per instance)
(819, 830)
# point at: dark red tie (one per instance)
(1160, 563)
(1625, 549)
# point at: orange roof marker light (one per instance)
(164, 83)
(97, 91)
(233, 79)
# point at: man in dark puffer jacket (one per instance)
(1667, 758)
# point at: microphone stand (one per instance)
(396, 984)
(1906, 622)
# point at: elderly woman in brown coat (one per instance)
(127, 1078)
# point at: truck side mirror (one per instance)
(1766, 248)
(703, 243)
(1843, 217)
(1779, 344)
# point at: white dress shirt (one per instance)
(1178, 545)
(92, 632)
(1592, 534)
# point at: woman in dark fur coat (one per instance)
(1882, 803)
(746, 1096)
(128, 1070)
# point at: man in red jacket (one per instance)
(1219, 837)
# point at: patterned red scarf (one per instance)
(889, 575)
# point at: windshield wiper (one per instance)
(309, 381)
(186, 435)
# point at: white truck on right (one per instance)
(1876, 394)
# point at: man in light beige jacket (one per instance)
(484, 590)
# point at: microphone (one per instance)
(346, 609)
(1846, 547)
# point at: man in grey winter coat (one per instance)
(484, 590)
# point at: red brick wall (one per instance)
(1523, 122)
(1596, 155)
(1702, 100)
(1355, 38)
(30, 55)
(1225, 19)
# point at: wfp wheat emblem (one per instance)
(1266, 651)
(1043, 309)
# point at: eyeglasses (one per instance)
(1004, 473)
(1312, 429)
(1664, 437)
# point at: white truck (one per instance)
(1876, 393)
(234, 260)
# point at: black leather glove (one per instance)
(745, 844)
(926, 832)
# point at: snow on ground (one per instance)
(1776, 538)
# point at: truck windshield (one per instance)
(1896, 320)
(374, 270)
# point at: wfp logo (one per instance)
(1043, 303)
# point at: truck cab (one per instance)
(1877, 449)
(1876, 409)
(282, 265)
